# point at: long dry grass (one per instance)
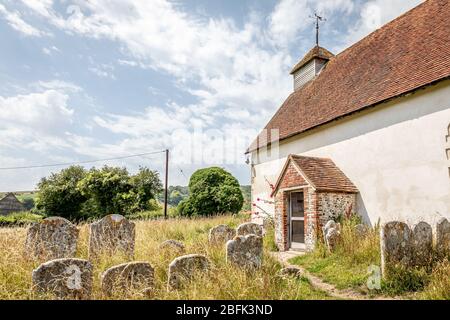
(224, 281)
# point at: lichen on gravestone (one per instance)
(52, 238)
(245, 251)
(396, 246)
(172, 246)
(221, 234)
(66, 278)
(443, 237)
(112, 234)
(185, 268)
(422, 244)
(127, 278)
(249, 228)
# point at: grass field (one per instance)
(223, 282)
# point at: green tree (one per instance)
(146, 185)
(77, 194)
(108, 190)
(111, 190)
(212, 191)
(28, 203)
(58, 194)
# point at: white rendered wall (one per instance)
(396, 154)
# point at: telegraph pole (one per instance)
(166, 190)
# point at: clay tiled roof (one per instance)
(320, 173)
(316, 52)
(406, 54)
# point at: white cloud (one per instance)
(35, 120)
(43, 7)
(102, 72)
(41, 110)
(64, 86)
(50, 50)
(15, 20)
(129, 63)
(220, 64)
(290, 17)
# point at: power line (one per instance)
(82, 162)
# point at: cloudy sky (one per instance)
(95, 79)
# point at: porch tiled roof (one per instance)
(321, 173)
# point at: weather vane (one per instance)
(318, 18)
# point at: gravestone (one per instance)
(172, 246)
(112, 234)
(52, 238)
(332, 238)
(249, 228)
(183, 268)
(395, 245)
(443, 236)
(245, 251)
(422, 243)
(221, 234)
(331, 224)
(127, 276)
(66, 278)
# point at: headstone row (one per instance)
(244, 246)
(405, 246)
(70, 278)
(222, 233)
(56, 237)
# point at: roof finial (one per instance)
(318, 18)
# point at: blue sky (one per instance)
(94, 79)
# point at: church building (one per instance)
(365, 131)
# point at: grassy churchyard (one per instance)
(224, 281)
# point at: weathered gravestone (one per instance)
(125, 277)
(245, 251)
(172, 246)
(221, 234)
(331, 234)
(443, 237)
(114, 233)
(249, 228)
(331, 224)
(64, 278)
(332, 238)
(395, 245)
(52, 238)
(185, 267)
(422, 244)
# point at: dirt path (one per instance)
(316, 282)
